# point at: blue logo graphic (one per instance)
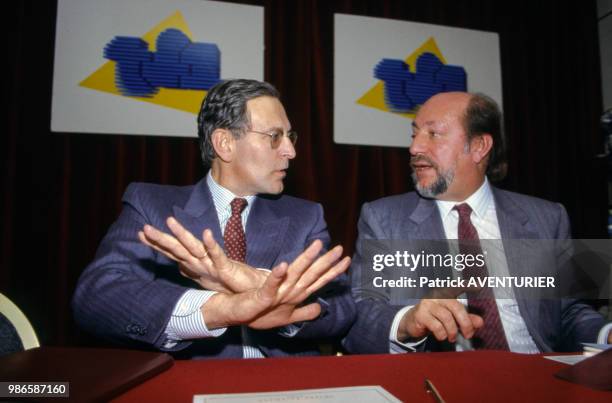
(405, 90)
(178, 63)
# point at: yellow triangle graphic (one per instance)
(103, 79)
(375, 96)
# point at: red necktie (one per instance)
(482, 302)
(234, 239)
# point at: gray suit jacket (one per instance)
(554, 324)
(127, 294)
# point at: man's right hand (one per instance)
(443, 318)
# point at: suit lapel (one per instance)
(199, 213)
(428, 226)
(427, 223)
(265, 231)
(516, 229)
(513, 222)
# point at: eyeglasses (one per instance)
(276, 136)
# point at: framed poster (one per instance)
(144, 66)
(385, 69)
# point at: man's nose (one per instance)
(287, 149)
(418, 145)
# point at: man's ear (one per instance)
(223, 142)
(480, 147)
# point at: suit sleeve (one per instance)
(579, 321)
(338, 308)
(127, 294)
(370, 332)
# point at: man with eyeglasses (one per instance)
(227, 267)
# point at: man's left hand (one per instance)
(202, 261)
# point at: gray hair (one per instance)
(225, 108)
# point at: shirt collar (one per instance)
(479, 201)
(222, 197)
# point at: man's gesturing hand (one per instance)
(202, 261)
(443, 318)
(247, 295)
(277, 301)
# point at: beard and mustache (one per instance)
(443, 177)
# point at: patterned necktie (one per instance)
(482, 302)
(234, 239)
(235, 248)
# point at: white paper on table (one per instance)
(354, 394)
(594, 347)
(567, 359)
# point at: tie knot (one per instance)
(238, 204)
(464, 210)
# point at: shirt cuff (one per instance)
(396, 346)
(187, 321)
(604, 333)
(291, 329)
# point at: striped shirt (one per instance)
(187, 321)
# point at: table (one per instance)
(475, 376)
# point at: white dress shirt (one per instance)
(484, 219)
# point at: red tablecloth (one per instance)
(478, 376)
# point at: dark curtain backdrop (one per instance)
(61, 191)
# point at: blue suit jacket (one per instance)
(127, 294)
(554, 324)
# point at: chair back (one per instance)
(15, 322)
